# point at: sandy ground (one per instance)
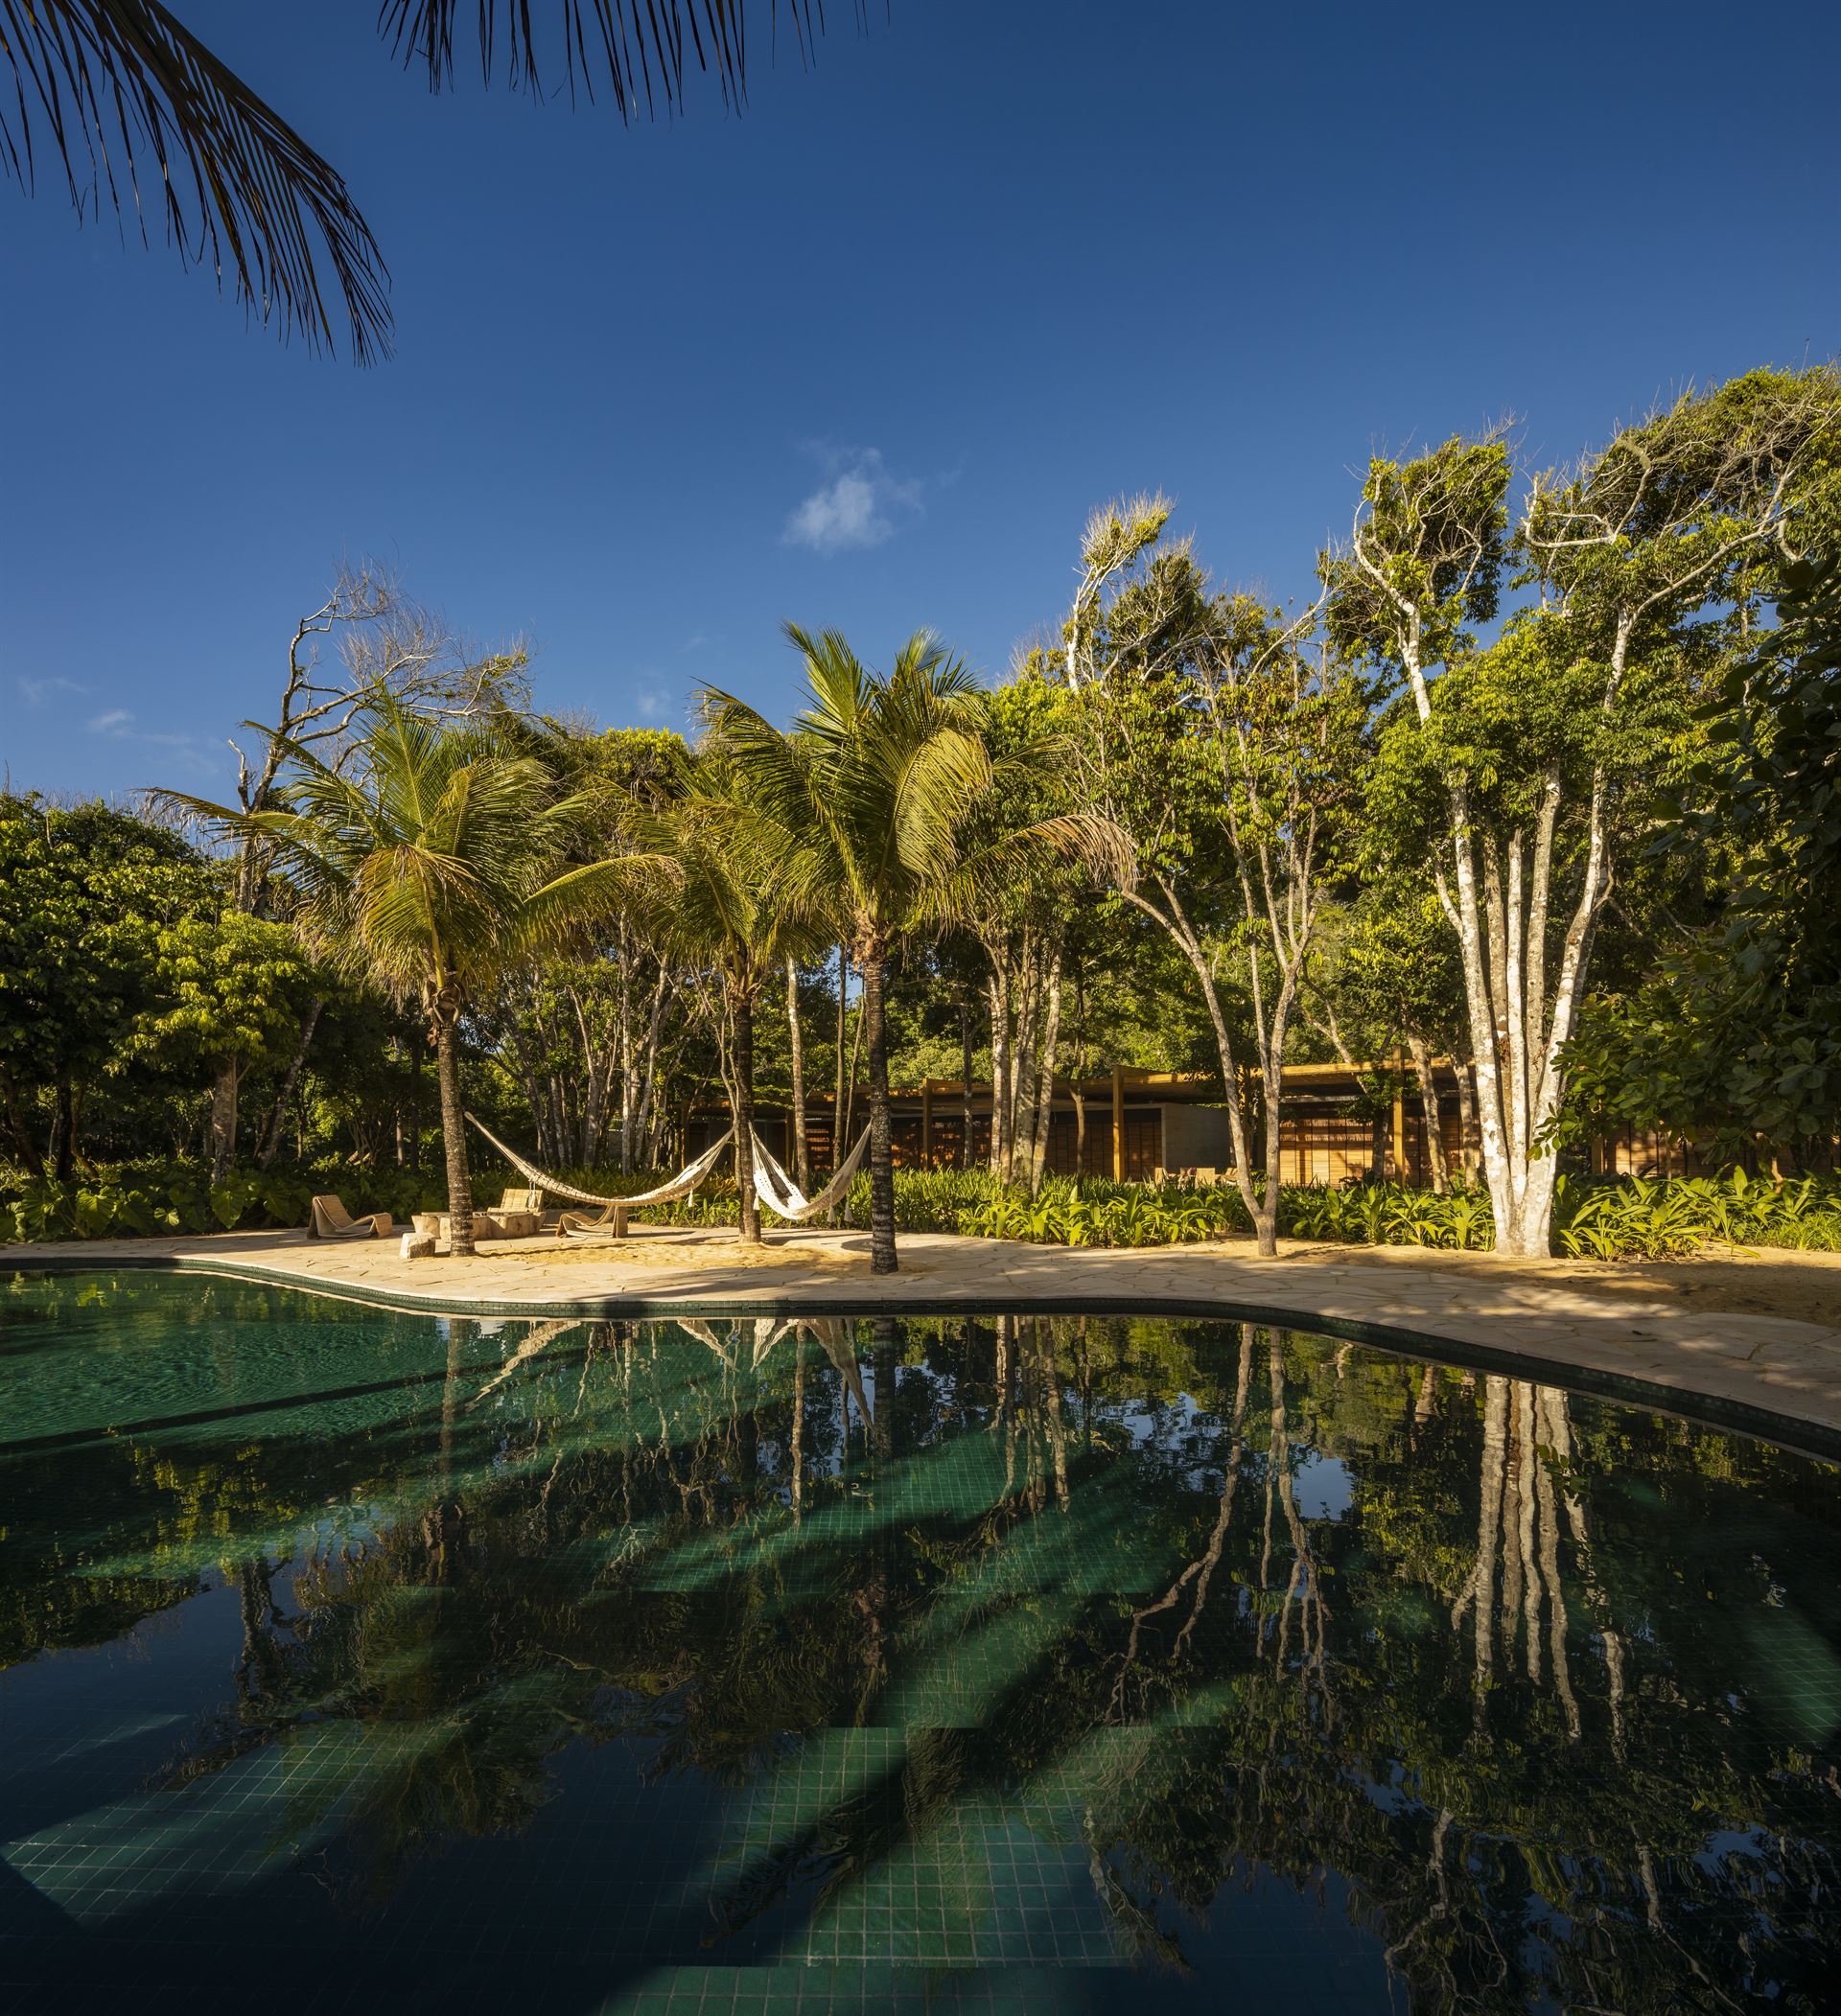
(1768, 1281)
(1764, 1281)
(659, 1247)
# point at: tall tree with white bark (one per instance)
(1640, 563)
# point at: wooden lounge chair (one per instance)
(330, 1219)
(578, 1224)
(520, 1213)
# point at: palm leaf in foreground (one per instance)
(128, 97)
(640, 52)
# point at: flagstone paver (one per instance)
(1786, 1367)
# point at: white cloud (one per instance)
(194, 755)
(34, 692)
(858, 507)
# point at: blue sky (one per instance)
(868, 355)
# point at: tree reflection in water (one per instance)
(1545, 1687)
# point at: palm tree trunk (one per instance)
(453, 1136)
(837, 1111)
(415, 1105)
(744, 1095)
(965, 1085)
(882, 1260)
(802, 1149)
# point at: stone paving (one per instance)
(1787, 1368)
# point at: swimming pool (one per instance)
(362, 1660)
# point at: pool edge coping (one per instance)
(1818, 1439)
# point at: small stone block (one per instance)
(418, 1246)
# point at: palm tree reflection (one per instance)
(1089, 1575)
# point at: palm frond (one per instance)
(584, 895)
(937, 786)
(841, 688)
(785, 783)
(125, 96)
(640, 51)
(986, 873)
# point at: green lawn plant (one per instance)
(1595, 1219)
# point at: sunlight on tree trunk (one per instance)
(742, 1093)
(882, 1256)
(801, 1151)
(454, 1135)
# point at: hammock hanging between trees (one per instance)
(773, 1186)
(614, 1210)
(783, 1196)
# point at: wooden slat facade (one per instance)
(1323, 1139)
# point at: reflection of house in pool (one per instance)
(1338, 1121)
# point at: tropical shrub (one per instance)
(1656, 1218)
(1596, 1218)
(151, 1200)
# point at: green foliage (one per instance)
(1610, 1218)
(228, 985)
(1390, 1215)
(85, 892)
(1738, 1033)
(1091, 1211)
(1433, 542)
(431, 863)
(1655, 1218)
(151, 1201)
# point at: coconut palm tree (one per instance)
(877, 784)
(730, 904)
(120, 92)
(434, 861)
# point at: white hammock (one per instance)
(783, 1196)
(773, 1186)
(681, 1185)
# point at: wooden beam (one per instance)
(926, 1123)
(1118, 1123)
(1399, 1118)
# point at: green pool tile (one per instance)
(494, 1688)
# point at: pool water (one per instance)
(355, 1659)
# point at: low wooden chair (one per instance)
(330, 1219)
(518, 1214)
